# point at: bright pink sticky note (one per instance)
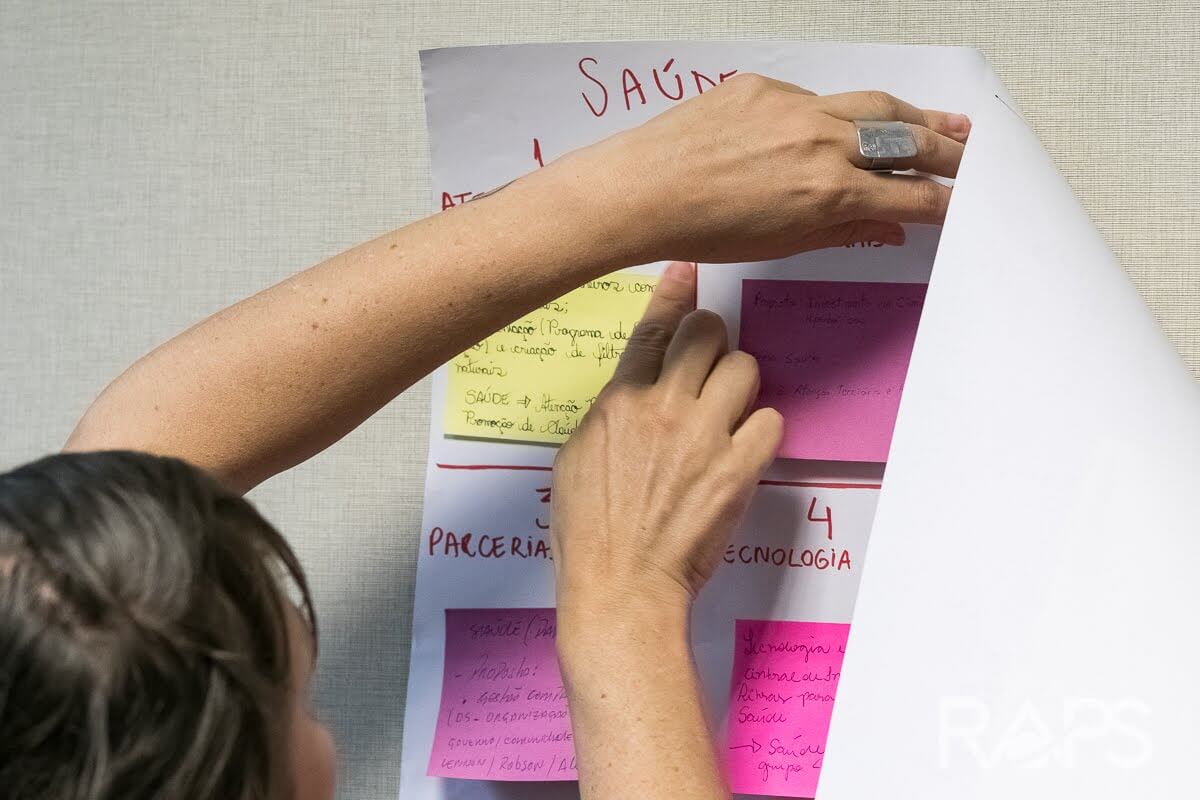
(832, 356)
(504, 712)
(785, 676)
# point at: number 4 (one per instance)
(827, 519)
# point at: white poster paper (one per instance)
(1044, 448)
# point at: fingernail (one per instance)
(679, 270)
(958, 123)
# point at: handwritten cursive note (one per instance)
(785, 676)
(504, 712)
(833, 356)
(533, 380)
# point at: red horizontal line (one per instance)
(814, 485)
(495, 466)
(801, 484)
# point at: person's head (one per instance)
(148, 646)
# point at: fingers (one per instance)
(936, 154)
(859, 231)
(732, 387)
(882, 106)
(759, 438)
(699, 342)
(900, 198)
(673, 298)
(939, 136)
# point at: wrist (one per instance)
(596, 627)
(602, 189)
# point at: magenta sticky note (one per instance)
(504, 712)
(832, 356)
(785, 677)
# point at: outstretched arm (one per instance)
(753, 169)
(278, 377)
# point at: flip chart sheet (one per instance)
(484, 705)
(819, 323)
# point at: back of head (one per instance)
(143, 634)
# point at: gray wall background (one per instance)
(159, 160)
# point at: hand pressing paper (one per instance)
(533, 380)
(785, 677)
(833, 356)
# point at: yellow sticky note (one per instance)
(534, 380)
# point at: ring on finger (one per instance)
(881, 142)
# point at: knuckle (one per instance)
(611, 393)
(661, 418)
(606, 417)
(830, 132)
(744, 364)
(883, 103)
(748, 81)
(649, 335)
(930, 195)
(618, 399)
(731, 474)
(928, 142)
(705, 323)
(613, 401)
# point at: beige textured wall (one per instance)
(161, 160)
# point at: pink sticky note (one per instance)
(785, 676)
(504, 712)
(833, 356)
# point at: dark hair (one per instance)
(143, 634)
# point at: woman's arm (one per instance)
(752, 169)
(637, 712)
(645, 496)
(278, 377)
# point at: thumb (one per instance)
(673, 298)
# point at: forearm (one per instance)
(636, 708)
(274, 379)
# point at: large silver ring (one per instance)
(882, 142)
